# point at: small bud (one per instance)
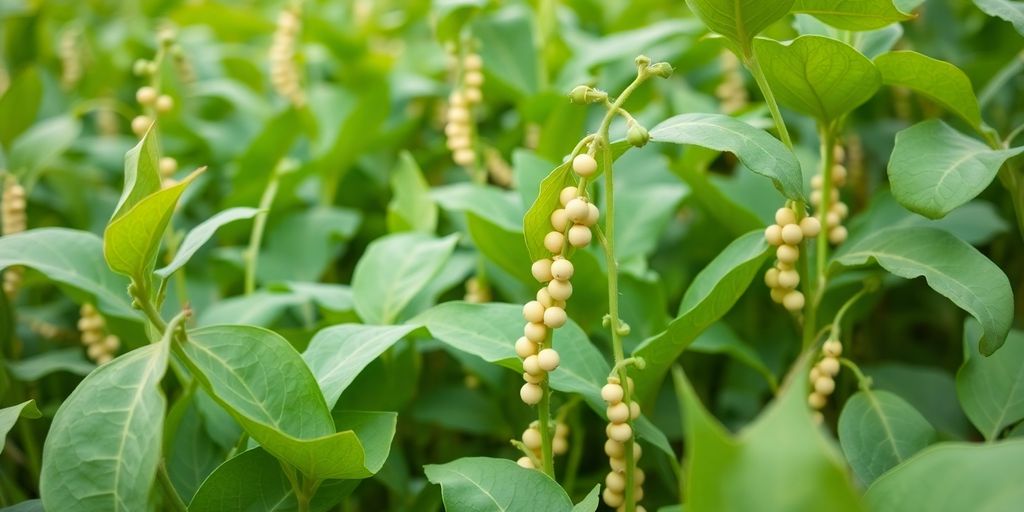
(661, 69)
(642, 61)
(585, 94)
(637, 135)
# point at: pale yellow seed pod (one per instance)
(525, 348)
(545, 298)
(612, 499)
(792, 234)
(614, 449)
(837, 235)
(612, 393)
(164, 104)
(787, 254)
(810, 226)
(464, 157)
(548, 360)
(773, 235)
(167, 166)
(554, 241)
(784, 216)
(541, 270)
(525, 462)
(616, 482)
(620, 432)
(577, 210)
(771, 278)
(554, 317)
(829, 366)
(580, 235)
(617, 464)
(789, 279)
(559, 445)
(559, 220)
(593, 215)
(562, 269)
(140, 124)
(472, 62)
(146, 95)
(584, 165)
(533, 312)
(568, 194)
(473, 79)
(535, 332)
(793, 301)
(534, 379)
(531, 393)
(777, 294)
(816, 400)
(560, 290)
(832, 348)
(532, 439)
(824, 385)
(634, 412)
(531, 365)
(618, 413)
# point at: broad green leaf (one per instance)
(337, 354)
(490, 331)
(141, 174)
(991, 389)
(878, 430)
(719, 338)
(818, 76)
(191, 453)
(201, 234)
(739, 20)
(941, 81)
(537, 221)
(20, 104)
(451, 15)
(346, 123)
(486, 201)
(70, 360)
(710, 296)
(72, 258)
(262, 381)
(484, 484)
(331, 297)
(735, 217)
(934, 168)
(26, 506)
(952, 477)
(104, 444)
(511, 60)
(411, 208)
(591, 502)
(976, 222)
(931, 391)
(132, 240)
(949, 266)
(1005, 10)
(253, 481)
(852, 14)
(43, 142)
(393, 270)
(755, 148)
(10, 415)
(261, 308)
(319, 231)
(780, 447)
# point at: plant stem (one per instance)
(863, 381)
(769, 97)
(544, 417)
(259, 225)
(837, 321)
(173, 499)
(824, 205)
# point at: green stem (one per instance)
(769, 97)
(820, 278)
(870, 286)
(546, 437)
(28, 439)
(259, 225)
(572, 466)
(863, 381)
(173, 499)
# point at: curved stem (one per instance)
(837, 321)
(546, 439)
(863, 381)
(259, 225)
(769, 98)
(173, 501)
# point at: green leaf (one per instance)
(952, 477)
(591, 502)
(33, 368)
(818, 76)
(104, 444)
(411, 207)
(72, 258)
(949, 266)
(934, 168)
(132, 240)
(852, 14)
(201, 234)
(931, 391)
(1004, 10)
(878, 430)
(755, 148)
(337, 354)
(484, 484)
(191, 453)
(991, 389)
(537, 221)
(320, 231)
(20, 104)
(511, 61)
(739, 20)
(780, 447)
(26, 506)
(141, 174)
(393, 270)
(451, 15)
(43, 142)
(253, 480)
(10, 415)
(710, 296)
(259, 378)
(941, 81)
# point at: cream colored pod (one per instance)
(786, 235)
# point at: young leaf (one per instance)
(104, 444)
(878, 430)
(781, 446)
(1004, 10)
(484, 484)
(510, 58)
(411, 207)
(33, 368)
(10, 415)
(19, 104)
(934, 168)
(337, 354)
(941, 81)
(43, 142)
(591, 502)
(755, 148)
(852, 14)
(259, 378)
(190, 452)
(711, 295)
(739, 20)
(132, 240)
(72, 258)
(954, 476)
(991, 389)
(537, 221)
(202, 233)
(253, 480)
(393, 270)
(818, 76)
(320, 231)
(141, 174)
(950, 266)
